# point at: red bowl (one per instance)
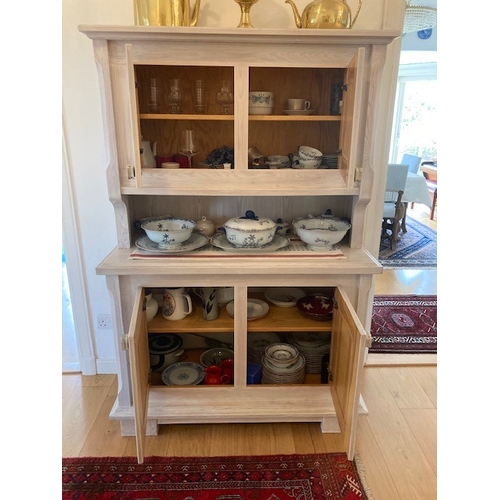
(317, 307)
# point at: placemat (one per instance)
(294, 249)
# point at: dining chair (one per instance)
(394, 208)
(413, 162)
(433, 191)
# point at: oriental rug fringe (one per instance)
(278, 477)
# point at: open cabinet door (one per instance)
(139, 369)
(346, 366)
(351, 116)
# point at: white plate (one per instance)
(184, 373)
(298, 112)
(255, 309)
(284, 297)
(220, 241)
(195, 241)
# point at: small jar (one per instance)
(206, 227)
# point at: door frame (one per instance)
(74, 264)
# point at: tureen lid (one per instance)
(250, 221)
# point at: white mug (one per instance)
(176, 304)
(298, 104)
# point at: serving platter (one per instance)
(195, 241)
(220, 241)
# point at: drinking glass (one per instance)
(225, 97)
(199, 97)
(174, 98)
(188, 145)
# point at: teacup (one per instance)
(298, 104)
(214, 376)
(260, 102)
(309, 153)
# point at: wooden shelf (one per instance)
(279, 319)
(252, 118)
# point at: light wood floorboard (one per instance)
(396, 440)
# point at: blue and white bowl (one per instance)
(320, 233)
(170, 232)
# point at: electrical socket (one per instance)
(104, 321)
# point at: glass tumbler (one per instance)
(199, 97)
(174, 98)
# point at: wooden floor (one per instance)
(396, 441)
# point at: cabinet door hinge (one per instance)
(124, 342)
(358, 174)
(345, 87)
(130, 171)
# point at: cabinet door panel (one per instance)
(351, 116)
(139, 369)
(348, 345)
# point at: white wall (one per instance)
(87, 157)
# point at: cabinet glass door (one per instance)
(172, 99)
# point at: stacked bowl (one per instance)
(282, 364)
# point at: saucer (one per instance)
(298, 112)
(220, 241)
(195, 241)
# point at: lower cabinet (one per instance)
(321, 385)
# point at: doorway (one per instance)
(70, 355)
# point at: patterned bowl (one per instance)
(317, 307)
(320, 233)
(169, 232)
(281, 354)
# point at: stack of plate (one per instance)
(279, 374)
(330, 160)
(257, 343)
(312, 346)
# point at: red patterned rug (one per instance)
(404, 324)
(301, 477)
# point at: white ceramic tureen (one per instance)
(250, 231)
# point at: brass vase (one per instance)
(245, 6)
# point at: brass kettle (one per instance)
(326, 14)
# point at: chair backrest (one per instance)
(413, 162)
(396, 180)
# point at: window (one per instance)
(415, 114)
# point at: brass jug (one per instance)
(329, 14)
(166, 12)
